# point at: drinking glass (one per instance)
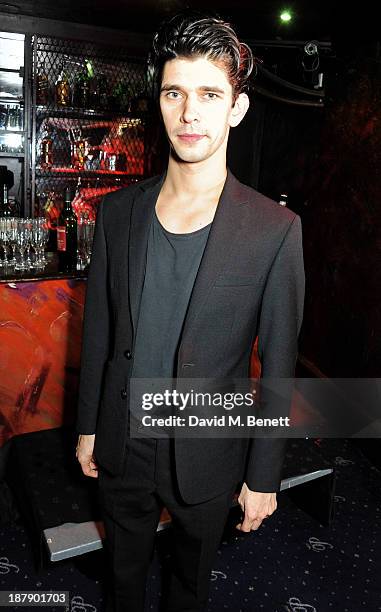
(29, 227)
(23, 238)
(44, 224)
(89, 226)
(37, 241)
(12, 235)
(81, 242)
(4, 240)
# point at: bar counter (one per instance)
(41, 315)
(49, 272)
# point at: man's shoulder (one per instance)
(267, 209)
(126, 195)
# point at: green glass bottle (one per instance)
(62, 88)
(67, 236)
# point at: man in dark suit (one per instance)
(187, 270)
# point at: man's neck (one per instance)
(187, 181)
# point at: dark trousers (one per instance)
(131, 505)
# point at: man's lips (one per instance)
(190, 137)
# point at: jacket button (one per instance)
(123, 394)
(128, 354)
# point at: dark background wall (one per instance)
(328, 161)
(342, 227)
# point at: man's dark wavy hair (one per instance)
(194, 34)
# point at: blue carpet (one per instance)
(291, 563)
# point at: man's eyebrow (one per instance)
(211, 88)
(169, 86)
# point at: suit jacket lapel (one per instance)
(227, 222)
(141, 216)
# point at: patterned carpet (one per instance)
(292, 563)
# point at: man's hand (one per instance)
(84, 454)
(256, 506)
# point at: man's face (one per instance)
(196, 102)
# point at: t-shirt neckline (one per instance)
(183, 235)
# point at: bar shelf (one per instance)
(95, 114)
(12, 154)
(86, 173)
(91, 111)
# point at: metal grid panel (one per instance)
(91, 114)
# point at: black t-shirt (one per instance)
(171, 267)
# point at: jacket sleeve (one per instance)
(95, 331)
(279, 326)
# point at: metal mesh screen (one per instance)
(91, 112)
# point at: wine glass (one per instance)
(4, 240)
(29, 228)
(12, 235)
(44, 224)
(36, 241)
(23, 237)
(81, 252)
(89, 226)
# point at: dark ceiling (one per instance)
(256, 19)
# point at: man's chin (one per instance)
(188, 156)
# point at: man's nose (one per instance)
(190, 110)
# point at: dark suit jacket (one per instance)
(250, 282)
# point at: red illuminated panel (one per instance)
(40, 344)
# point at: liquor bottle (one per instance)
(121, 96)
(103, 160)
(141, 103)
(112, 161)
(42, 86)
(20, 118)
(79, 149)
(94, 101)
(121, 162)
(46, 149)
(78, 188)
(5, 209)
(81, 90)
(103, 92)
(62, 88)
(83, 86)
(3, 116)
(12, 121)
(91, 85)
(67, 236)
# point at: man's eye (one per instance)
(173, 95)
(211, 95)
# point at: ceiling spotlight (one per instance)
(285, 16)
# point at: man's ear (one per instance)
(239, 109)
